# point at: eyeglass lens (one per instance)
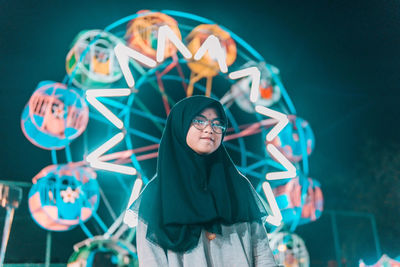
(201, 122)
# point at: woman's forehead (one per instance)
(210, 113)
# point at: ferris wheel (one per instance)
(124, 80)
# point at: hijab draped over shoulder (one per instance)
(191, 192)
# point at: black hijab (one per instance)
(191, 192)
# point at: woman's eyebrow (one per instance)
(216, 118)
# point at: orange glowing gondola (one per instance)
(142, 33)
(208, 66)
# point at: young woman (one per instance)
(199, 210)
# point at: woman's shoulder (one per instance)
(149, 187)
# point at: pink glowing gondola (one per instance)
(289, 199)
(63, 196)
(289, 140)
(54, 116)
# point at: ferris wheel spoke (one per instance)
(208, 86)
(147, 113)
(163, 95)
(143, 72)
(258, 164)
(100, 222)
(54, 156)
(85, 229)
(147, 75)
(107, 204)
(284, 93)
(143, 135)
(303, 145)
(180, 72)
(144, 113)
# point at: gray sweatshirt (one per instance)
(240, 245)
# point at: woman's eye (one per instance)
(200, 121)
(218, 122)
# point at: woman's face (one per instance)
(204, 141)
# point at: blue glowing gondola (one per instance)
(300, 202)
(63, 196)
(290, 141)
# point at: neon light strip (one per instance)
(123, 53)
(105, 112)
(291, 170)
(112, 228)
(276, 217)
(113, 167)
(215, 51)
(93, 158)
(130, 218)
(255, 75)
(137, 186)
(91, 98)
(282, 121)
(105, 147)
(165, 32)
(108, 92)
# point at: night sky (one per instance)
(339, 61)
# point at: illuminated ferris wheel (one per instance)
(130, 75)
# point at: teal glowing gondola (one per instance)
(98, 251)
(91, 62)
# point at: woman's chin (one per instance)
(204, 151)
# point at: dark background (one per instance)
(339, 61)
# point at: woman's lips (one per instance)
(207, 138)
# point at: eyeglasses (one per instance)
(200, 122)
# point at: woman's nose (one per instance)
(208, 128)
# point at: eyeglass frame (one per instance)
(210, 122)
